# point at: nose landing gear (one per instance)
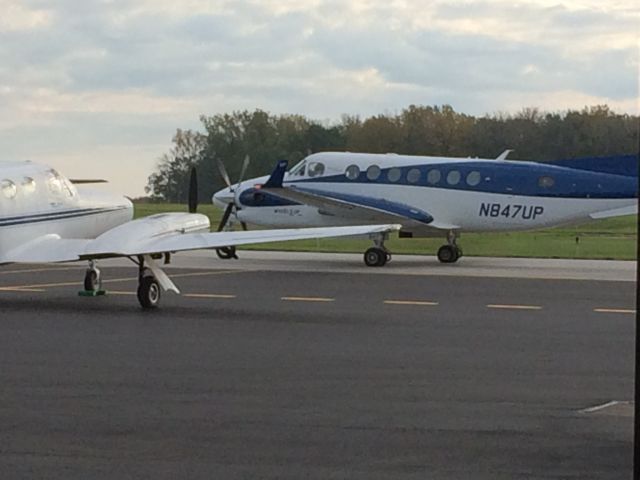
(92, 281)
(451, 252)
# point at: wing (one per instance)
(150, 235)
(45, 249)
(616, 212)
(357, 207)
(179, 242)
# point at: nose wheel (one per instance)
(92, 282)
(451, 252)
(226, 253)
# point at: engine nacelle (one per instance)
(132, 236)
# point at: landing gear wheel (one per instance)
(376, 257)
(226, 253)
(149, 292)
(91, 280)
(449, 254)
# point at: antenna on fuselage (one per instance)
(505, 154)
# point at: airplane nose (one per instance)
(223, 198)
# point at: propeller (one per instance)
(231, 206)
(193, 191)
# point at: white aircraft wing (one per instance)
(136, 238)
(616, 212)
(45, 249)
(178, 242)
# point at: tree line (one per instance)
(416, 130)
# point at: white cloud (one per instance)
(117, 77)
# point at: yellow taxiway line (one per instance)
(307, 299)
(208, 295)
(514, 307)
(613, 310)
(411, 302)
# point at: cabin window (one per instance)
(453, 177)
(373, 172)
(28, 185)
(473, 178)
(315, 169)
(394, 174)
(8, 188)
(413, 175)
(546, 181)
(352, 172)
(433, 176)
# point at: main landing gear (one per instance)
(149, 291)
(378, 255)
(226, 253)
(451, 252)
(151, 281)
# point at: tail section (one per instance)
(626, 165)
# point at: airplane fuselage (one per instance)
(35, 200)
(461, 194)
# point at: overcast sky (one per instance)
(98, 87)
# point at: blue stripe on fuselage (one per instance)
(509, 177)
(51, 216)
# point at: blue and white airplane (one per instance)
(45, 217)
(432, 196)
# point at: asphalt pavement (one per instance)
(261, 371)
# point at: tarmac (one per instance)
(288, 365)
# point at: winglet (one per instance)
(275, 180)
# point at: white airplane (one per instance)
(44, 217)
(431, 196)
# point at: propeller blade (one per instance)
(223, 172)
(225, 216)
(245, 164)
(193, 191)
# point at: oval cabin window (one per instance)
(8, 188)
(394, 174)
(373, 172)
(453, 177)
(413, 175)
(352, 172)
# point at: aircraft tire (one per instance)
(448, 254)
(149, 292)
(91, 280)
(226, 253)
(375, 257)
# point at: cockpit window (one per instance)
(54, 183)
(299, 169)
(315, 169)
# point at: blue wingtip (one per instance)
(275, 180)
